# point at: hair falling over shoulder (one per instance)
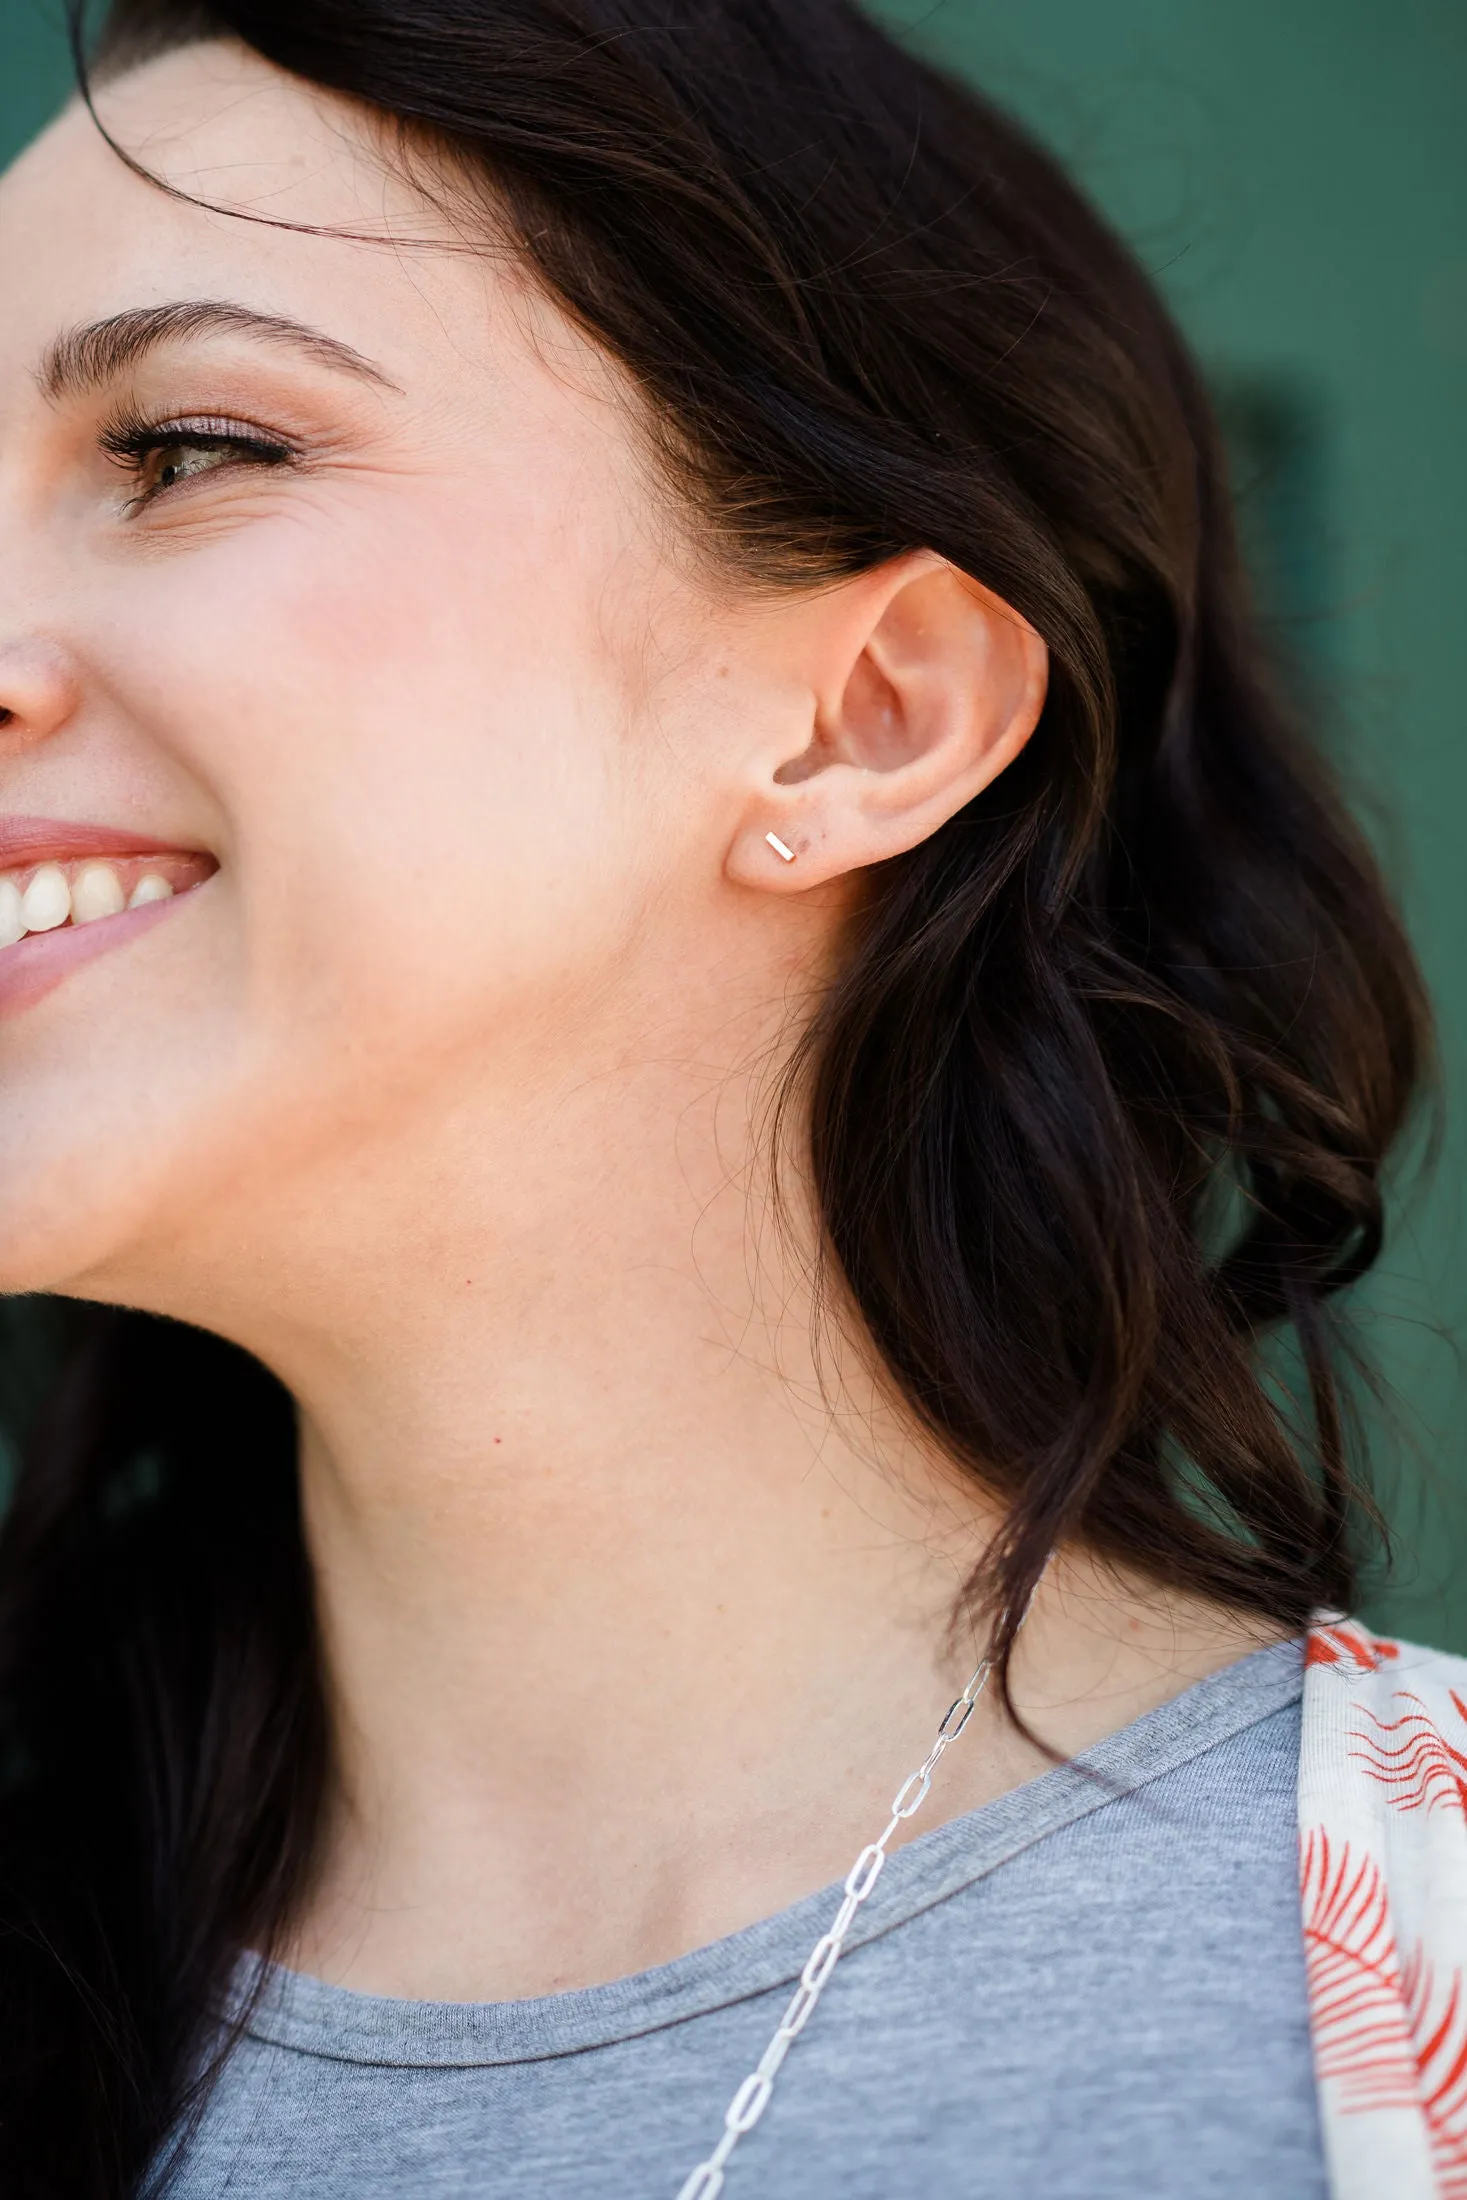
(1101, 1096)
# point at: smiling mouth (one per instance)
(50, 897)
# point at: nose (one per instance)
(38, 694)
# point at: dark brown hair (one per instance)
(1099, 1100)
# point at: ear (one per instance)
(922, 686)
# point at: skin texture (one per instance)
(445, 1093)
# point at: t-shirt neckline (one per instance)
(313, 2017)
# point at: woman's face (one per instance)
(336, 598)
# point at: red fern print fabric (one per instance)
(1383, 1886)
(1362, 2040)
(1412, 1759)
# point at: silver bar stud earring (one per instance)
(779, 847)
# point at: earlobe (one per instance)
(924, 687)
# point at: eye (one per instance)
(160, 456)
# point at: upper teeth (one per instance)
(80, 892)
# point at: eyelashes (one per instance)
(162, 456)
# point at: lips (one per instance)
(71, 892)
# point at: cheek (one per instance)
(418, 740)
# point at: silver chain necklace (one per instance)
(752, 2097)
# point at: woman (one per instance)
(679, 1011)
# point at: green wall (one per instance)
(1294, 172)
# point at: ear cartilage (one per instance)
(779, 847)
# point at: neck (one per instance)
(610, 1596)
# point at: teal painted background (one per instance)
(1294, 173)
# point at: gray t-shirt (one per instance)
(1086, 1990)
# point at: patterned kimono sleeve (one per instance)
(1383, 1876)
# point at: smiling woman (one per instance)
(677, 1011)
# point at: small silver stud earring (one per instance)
(779, 847)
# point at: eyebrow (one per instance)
(84, 359)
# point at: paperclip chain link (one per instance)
(752, 2097)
